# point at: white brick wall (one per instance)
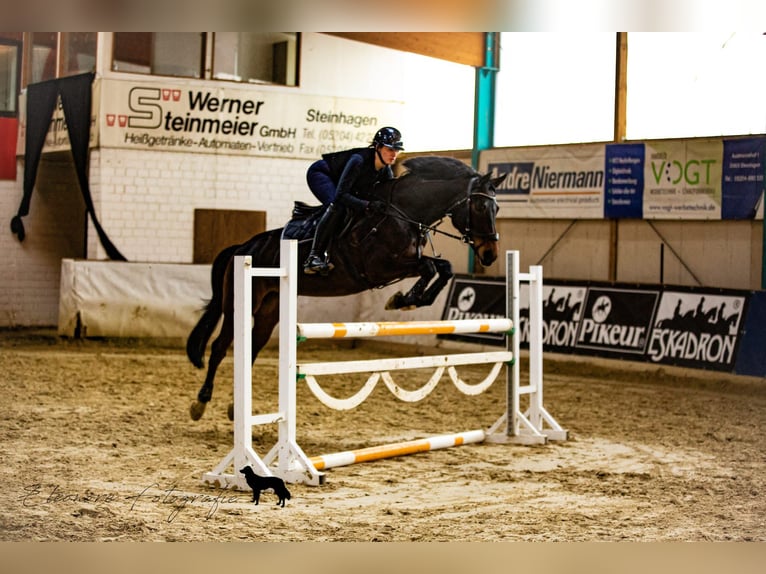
(31, 269)
(145, 201)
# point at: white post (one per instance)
(288, 353)
(292, 463)
(513, 293)
(243, 376)
(536, 346)
(525, 427)
(242, 454)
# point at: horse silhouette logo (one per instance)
(601, 309)
(466, 298)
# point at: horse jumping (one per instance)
(376, 250)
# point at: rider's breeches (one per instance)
(320, 182)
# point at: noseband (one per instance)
(468, 234)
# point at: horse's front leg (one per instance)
(422, 294)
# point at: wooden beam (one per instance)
(621, 87)
(459, 47)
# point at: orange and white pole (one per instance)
(396, 449)
(399, 328)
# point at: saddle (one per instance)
(305, 219)
(303, 222)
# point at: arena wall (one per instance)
(145, 200)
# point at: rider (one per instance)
(339, 179)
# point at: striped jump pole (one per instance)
(372, 453)
(399, 328)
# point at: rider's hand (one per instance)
(375, 207)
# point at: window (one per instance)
(555, 88)
(44, 56)
(10, 65)
(78, 53)
(160, 53)
(255, 58)
(695, 84)
(270, 58)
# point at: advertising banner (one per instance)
(57, 138)
(697, 328)
(624, 186)
(683, 179)
(206, 117)
(751, 359)
(743, 178)
(550, 182)
(470, 298)
(617, 321)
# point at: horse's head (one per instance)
(474, 216)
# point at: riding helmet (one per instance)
(389, 137)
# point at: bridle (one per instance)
(467, 235)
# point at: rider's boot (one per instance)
(318, 259)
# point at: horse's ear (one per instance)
(498, 180)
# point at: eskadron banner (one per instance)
(690, 327)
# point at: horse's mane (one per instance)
(437, 167)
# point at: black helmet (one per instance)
(389, 137)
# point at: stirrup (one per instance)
(317, 265)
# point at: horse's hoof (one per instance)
(230, 411)
(395, 301)
(197, 410)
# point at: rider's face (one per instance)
(387, 154)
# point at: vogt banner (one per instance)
(550, 182)
(683, 179)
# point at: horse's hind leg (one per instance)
(218, 351)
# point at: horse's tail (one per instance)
(200, 334)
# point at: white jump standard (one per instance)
(288, 461)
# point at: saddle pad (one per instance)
(303, 222)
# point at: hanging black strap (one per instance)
(76, 95)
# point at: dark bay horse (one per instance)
(372, 251)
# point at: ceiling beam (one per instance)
(459, 47)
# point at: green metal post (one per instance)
(484, 106)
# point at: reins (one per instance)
(467, 236)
